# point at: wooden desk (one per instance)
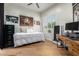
(73, 45)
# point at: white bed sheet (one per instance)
(26, 38)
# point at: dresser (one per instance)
(1, 24)
(8, 36)
(73, 45)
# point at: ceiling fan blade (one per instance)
(29, 4)
(37, 5)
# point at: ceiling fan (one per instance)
(35, 3)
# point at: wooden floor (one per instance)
(46, 48)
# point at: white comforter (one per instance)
(26, 38)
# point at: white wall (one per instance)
(63, 14)
(14, 10)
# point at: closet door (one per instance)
(1, 24)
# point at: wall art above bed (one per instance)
(13, 19)
(26, 21)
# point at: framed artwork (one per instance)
(12, 19)
(26, 21)
(37, 22)
(75, 11)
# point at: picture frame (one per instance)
(37, 22)
(12, 19)
(75, 11)
(26, 21)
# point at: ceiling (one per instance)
(43, 6)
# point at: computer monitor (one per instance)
(72, 26)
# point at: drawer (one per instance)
(9, 26)
(68, 43)
(9, 44)
(75, 53)
(9, 31)
(62, 38)
(10, 41)
(75, 50)
(70, 50)
(75, 45)
(9, 36)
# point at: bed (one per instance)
(26, 38)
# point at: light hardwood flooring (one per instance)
(46, 48)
